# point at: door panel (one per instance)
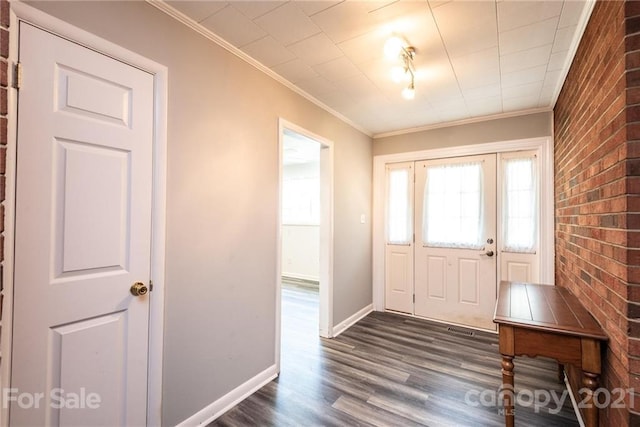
(518, 268)
(455, 279)
(83, 234)
(76, 351)
(469, 281)
(91, 96)
(437, 277)
(400, 284)
(81, 166)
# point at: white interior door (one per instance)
(399, 238)
(83, 223)
(455, 233)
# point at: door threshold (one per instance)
(442, 322)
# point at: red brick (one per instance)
(633, 149)
(3, 101)
(634, 347)
(1, 247)
(634, 332)
(631, 8)
(4, 75)
(634, 293)
(633, 131)
(3, 132)
(3, 160)
(633, 95)
(632, 25)
(4, 43)
(2, 188)
(4, 13)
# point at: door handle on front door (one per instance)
(489, 253)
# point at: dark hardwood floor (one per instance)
(392, 370)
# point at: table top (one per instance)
(544, 307)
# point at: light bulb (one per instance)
(409, 92)
(398, 74)
(393, 47)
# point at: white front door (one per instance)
(453, 227)
(455, 233)
(83, 234)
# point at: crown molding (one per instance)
(464, 122)
(184, 19)
(573, 47)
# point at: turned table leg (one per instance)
(560, 373)
(508, 390)
(590, 382)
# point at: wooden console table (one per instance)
(541, 320)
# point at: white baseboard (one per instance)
(231, 399)
(299, 276)
(574, 403)
(350, 321)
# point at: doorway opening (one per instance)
(300, 232)
(305, 255)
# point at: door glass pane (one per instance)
(453, 206)
(520, 205)
(399, 229)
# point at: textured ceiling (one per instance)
(474, 58)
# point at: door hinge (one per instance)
(17, 79)
(414, 298)
(150, 285)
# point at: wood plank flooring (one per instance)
(391, 370)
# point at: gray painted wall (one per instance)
(222, 202)
(506, 129)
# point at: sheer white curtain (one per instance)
(399, 214)
(520, 205)
(453, 206)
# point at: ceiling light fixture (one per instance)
(409, 92)
(397, 48)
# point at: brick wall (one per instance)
(632, 65)
(4, 107)
(597, 184)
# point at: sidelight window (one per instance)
(520, 204)
(399, 205)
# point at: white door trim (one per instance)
(544, 145)
(23, 12)
(326, 233)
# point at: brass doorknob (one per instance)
(489, 253)
(139, 289)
